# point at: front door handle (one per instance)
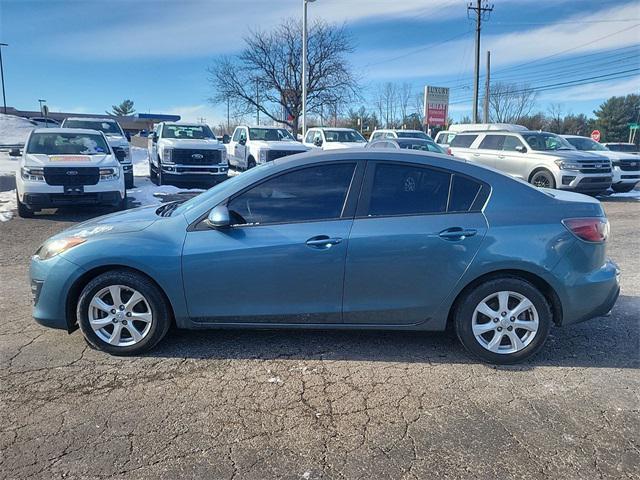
(323, 241)
(457, 233)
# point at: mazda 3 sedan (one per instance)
(356, 239)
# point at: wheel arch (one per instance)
(541, 168)
(540, 283)
(73, 294)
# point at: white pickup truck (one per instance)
(333, 138)
(186, 153)
(251, 146)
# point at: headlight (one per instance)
(223, 156)
(262, 156)
(32, 174)
(51, 248)
(127, 153)
(564, 165)
(166, 155)
(109, 173)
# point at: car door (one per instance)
(283, 260)
(489, 148)
(240, 148)
(416, 231)
(513, 158)
(231, 147)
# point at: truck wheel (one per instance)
(623, 188)
(122, 204)
(159, 179)
(23, 210)
(251, 163)
(543, 179)
(153, 174)
(123, 313)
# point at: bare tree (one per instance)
(556, 115)
(508, 102)
(404, 97)
(266, 75)
(418, 105)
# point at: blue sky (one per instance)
(85, 55)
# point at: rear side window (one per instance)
(492, 142)
(463, 192)
(463, 141)
(408, 190)
(313, 193)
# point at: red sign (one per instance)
(436, 105)
(595, 135)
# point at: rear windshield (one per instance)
(417, 144)
(67, 144)
(108, 127)
(463, 141)
(195, 132)
(416, 134)
(343, 136)
(585, 143)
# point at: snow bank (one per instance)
(7, 205)
(14, 130)
(140, 160)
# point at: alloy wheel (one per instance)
(120, 315)
(505, 322)
(541, 181)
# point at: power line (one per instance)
(482, 11)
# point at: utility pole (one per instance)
(228, 122)
(4, 98)
(257, 103)
(304, 66)
(487, 88)
(482, 11)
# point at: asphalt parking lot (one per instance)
(275, 404)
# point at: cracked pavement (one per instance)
(309, 405)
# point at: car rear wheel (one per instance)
(503, 321)
(543, 179)
(623, 188)
(122, 313)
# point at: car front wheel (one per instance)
(543, 179)
(624, 188)
(503, 321)
(122, 313)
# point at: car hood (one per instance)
(203, 144)
(616, 155)
(117, 140)
(120, 222)
(338, 145)
(280, 145)
(573, 155)
(32, 160)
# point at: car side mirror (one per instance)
(521, 149)
(127, 136)
(219, 217)
(154, 137)
(226, 138)
(14, 152)
(242, 141)
(317, 142)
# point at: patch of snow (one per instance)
(632, 194)
(7, 205)
(147, 193)
(306, 475)
(14, 130)
(140, 160)
(8, 165)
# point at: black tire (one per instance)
(623, 188)
(465, 308)
(160, 310)
(159, 176)
(23, 210)
(251, 162)
(542, 178)
(122, 204)
(153, 174)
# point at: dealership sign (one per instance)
(436, 105)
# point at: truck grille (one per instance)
(592, 167)
(185, 156)
(120, 153)
(629, 165)
(274, 154)
(71, 176)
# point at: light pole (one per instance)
(304, 66)
(4, 98)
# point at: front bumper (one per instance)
(583, 182)
(622, 177)
(51, 281)
(191, 173)
(55, 200)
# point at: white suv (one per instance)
(186, 153)
(115, 136)
(334, 138)
(540, 158)
(251, 146)
(387, 134)
(68, 167)
(626, 166)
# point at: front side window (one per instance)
(189, 132)
(236, 135)
(492, 142)
(511, 143)
(463, 141)
(269, 134)
(343, 136)
(307, 194)
(67, 144)
(108, 127)
(546, 142)
(309, 137)
(408, 190)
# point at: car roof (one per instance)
(185, 124)
(272, 127)
(574, 136)
(340, 129)
(67, 130)
(92, 119)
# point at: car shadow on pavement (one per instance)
(603, 342)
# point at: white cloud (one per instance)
(593, 91)
(195, 113)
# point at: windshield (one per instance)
(270, 134)
(546, 142)
(586, 144)
(418, 144)
(344, 136)
(623, 147)
(67, 144)
(108, 127)
(413, 134)
(189, 132)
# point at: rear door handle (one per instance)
(323, 241)
(476, 154)
(457, 233)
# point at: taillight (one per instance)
(592, 229)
